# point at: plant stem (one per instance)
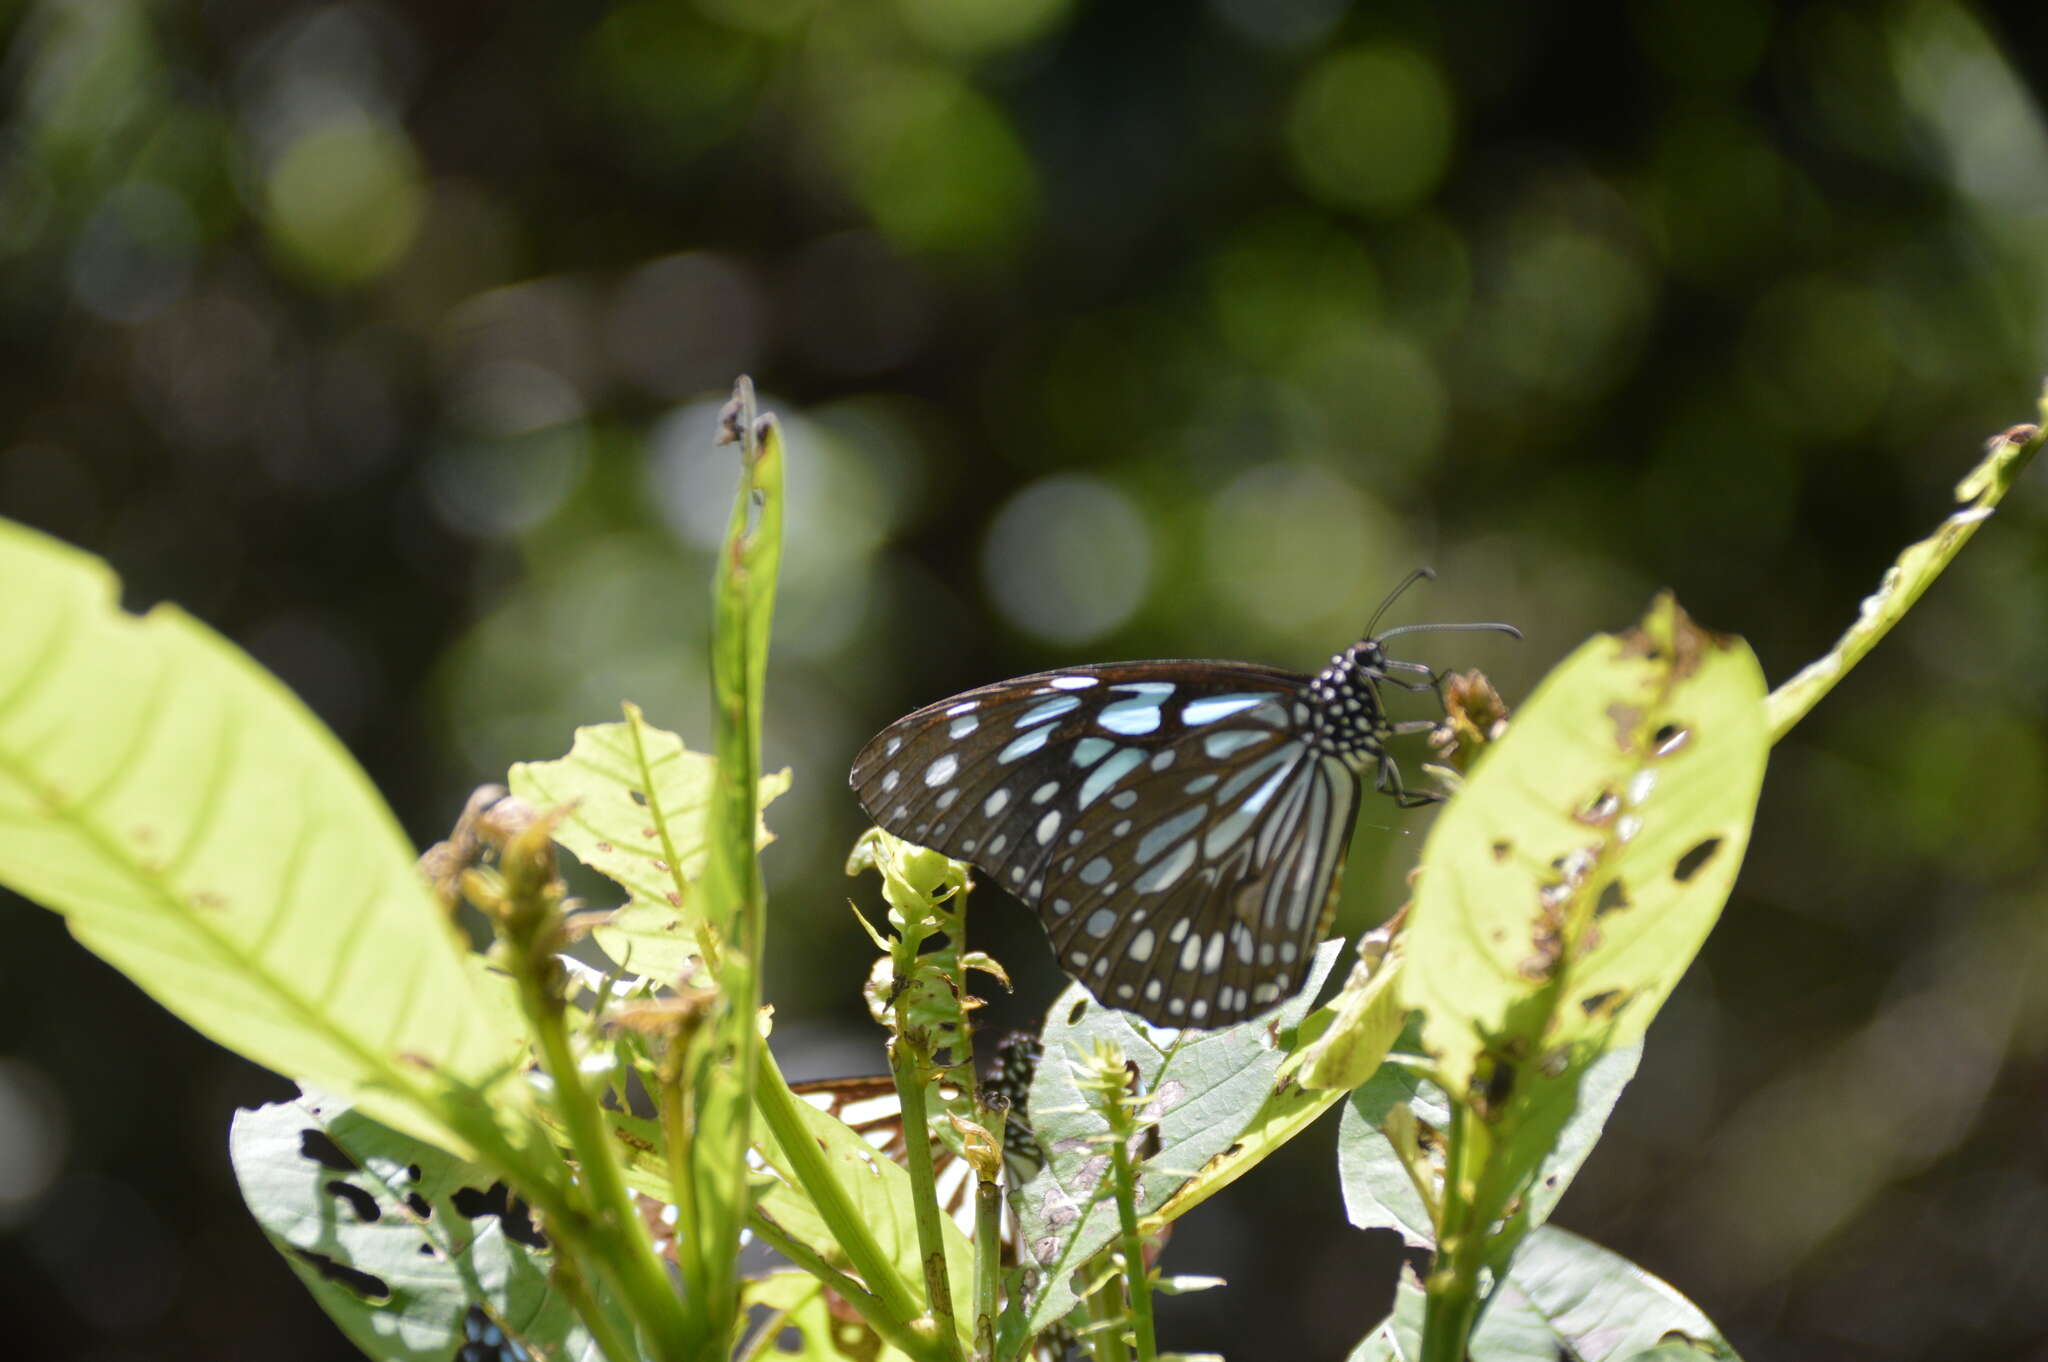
(1106, 1318)
(614, 1345)
(1136, 1276)
(841, 1285)
(1453, 1284)
(780, 1112)
(988, 1243)
(905, 1064)
(1909, 577)
(623, 1249)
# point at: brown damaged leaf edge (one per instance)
(1689, 642)
(1627, 719)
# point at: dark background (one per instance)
(387, 339)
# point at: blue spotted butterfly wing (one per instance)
(1173, 823)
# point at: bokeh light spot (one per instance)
(1298, 553)
(33, 1138)
(1818, 358)
(519, 449)
(685, 324)
(1068, 558)
(343, 199)
(1370, 129)
(936, 165)
(974, 27)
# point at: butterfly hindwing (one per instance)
(1177, 832)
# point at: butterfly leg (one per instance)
(1388, 782)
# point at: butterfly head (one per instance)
(1343, 700)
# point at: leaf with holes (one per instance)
(409, 1250)
(1379, 1188)
(638, 800)
(1204, 1086)
(1571, 882)
(201, 830)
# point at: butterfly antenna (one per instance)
(1491, 626)
(1421, 574)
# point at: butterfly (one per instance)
(1180, 826)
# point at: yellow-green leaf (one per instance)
(1567, 887)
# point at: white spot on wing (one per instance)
(1048, 826)
(1071, 682)
(1169, 869)
(995, 803)
(1231, 740)
(941, 771)
(1024, 746)
(1216, 707)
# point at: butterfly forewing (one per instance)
(1171, 822)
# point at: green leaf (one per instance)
(1204, 1087)
(402, 1245)
(1908, 578)
(1379, 1192)
(1398, 1337)
(1569, 885)
(202, 831)
(637, 800)
(1364, 1020)
(1597, 1306)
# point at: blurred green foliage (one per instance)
(388, 339)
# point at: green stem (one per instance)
(779, 1111)
(1106, 1319)
(1136, 1276)
(613, 1344)
(623, 1249)
(988, 1232)
(811, 1261)
(1453, 1285)
(909, 1072)
(671, 1093)
(1909, 577)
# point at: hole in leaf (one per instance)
(317, 1146)
(1613, 898)
(1075, 1012)
(1668, 739)
(1599, 810)
(498, 1201)
(1593, 1004)
(341, 1274)
(359, 1201)
(1689, 864)
(487, 1341)
(419, 1206)
(638, 798)
(1501, 849)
